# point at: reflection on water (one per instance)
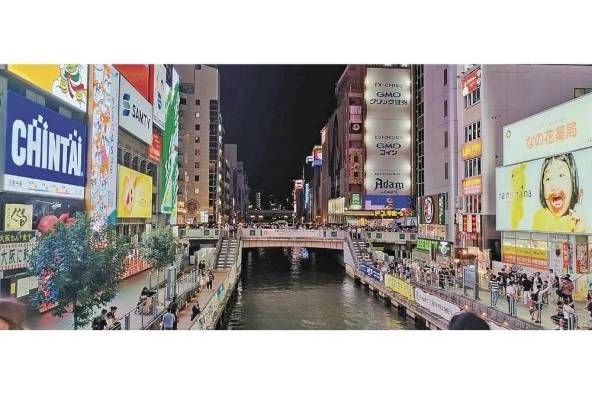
(296, 288)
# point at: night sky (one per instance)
(275, 114)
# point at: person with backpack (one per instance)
(567, 289)
(100, 322)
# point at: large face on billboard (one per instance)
(548, 195)
(44, 152)
(135, 112)
(134, 194)
(68, 82)
(103, 112)
(388, 132)
(565, 128)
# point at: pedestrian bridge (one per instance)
(286, 238)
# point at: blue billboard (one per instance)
(44, 152)
(370, 271)
(387, 201)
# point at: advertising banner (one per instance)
(134, 194)
(45, 152)
(170, 151)
(472, 185)
(135, 112)
(432, 209)
(425, 244)
(18, 217)
(582, 264)
(399, 286)
(525, 256)
(432, 231)
(15, 249)
(162, 88)
(471, 149)
(68, 82)
(436, 305)
(549, 195)
(471, 81)
(139, 76)
(387, 92)
(565, 128)
(317, 156)
(370, 271)
(355, 201)
(103, 111)
(154, 149)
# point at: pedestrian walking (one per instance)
(493, 290)
(511, 295)
(168, 320)
(195, 310)
(100, 322)
(567, 289)
(174, 308)
(210, 279)
(527, 286)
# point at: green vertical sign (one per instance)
(170, 152)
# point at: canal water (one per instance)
(300, 289)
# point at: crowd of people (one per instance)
(107, 320)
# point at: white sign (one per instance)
(160, 94)
(561, 129)
(436, 305)
(387, 93)
(22, 287)
(388, 144)
(135, 112)
(391, 182)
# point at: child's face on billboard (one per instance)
(557, 187)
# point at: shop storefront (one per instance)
(543, 194)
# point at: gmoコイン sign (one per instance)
(44, 152)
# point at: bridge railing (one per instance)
(392, 237)
(257, 233)
(200, 233)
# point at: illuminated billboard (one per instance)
(68, 82)
(101, 201)
(388, 132)
(471, 81)
(549, 195)
(170, 153)
(163, 80)
(134, 194)
(317, 156)
(44, 151)
(139, 76)
(135, 112)
(561, 129)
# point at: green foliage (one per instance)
(158, 247)
(83, 268)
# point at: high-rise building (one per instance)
(200, 142)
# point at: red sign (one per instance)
(565, 247)
(139, 76)
(471, 81)
(155, 147)
(582, 265)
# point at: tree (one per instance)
(79, 267)
(158, 247)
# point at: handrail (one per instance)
(352, 250)
(366, 239)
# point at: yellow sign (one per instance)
(471, 149)
(18, 217)
(68, 82)
(399, 286)
(472, 185)
(134, 194)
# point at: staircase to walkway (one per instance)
(363, 251)
(228, 253)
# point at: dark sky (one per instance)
(275, 113)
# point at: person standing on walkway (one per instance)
(100, 322)
(567, 288)
(195, 310)
(210, 279)
(168, 320)
(537, 298)
(174, 308)
(493, 290)
(527, 286)
(511, 295)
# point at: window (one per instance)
(472, 98)
(197, 152)
(196, 178)
(197, 140)
(445, 139)
(445, 76)
(197, 114)
(445, 108)
(472, 167)
(446, 170)
(197, 127)
(182, 101)
(196, 102)
(473, 131)
(581, 91)
(473, 203)
(197, 164)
